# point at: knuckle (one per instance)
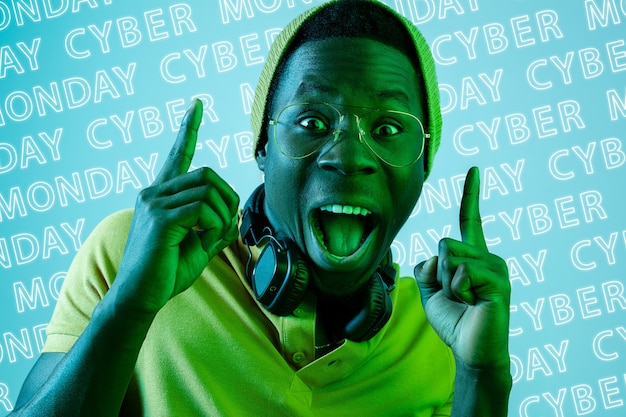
(504, 268)
(145, 195)
(204, 175)
(204, 190)
(142, 195)
(204, 172)
(447, 264)
(500, 265)
(198, 207)
(151, 207)
(461, 270)
(457, 285)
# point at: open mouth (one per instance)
(342, 229)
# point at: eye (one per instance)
(386, 129)
(313, 123)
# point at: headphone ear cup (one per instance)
(373, 310)
(280, 277)
(297, 283)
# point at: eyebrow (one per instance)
(397, 95)
(306, 87)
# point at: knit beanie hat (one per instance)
(415, 48)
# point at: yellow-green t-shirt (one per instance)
(214, 351)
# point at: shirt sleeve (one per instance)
(87, 281)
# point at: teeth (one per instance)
(341, 209)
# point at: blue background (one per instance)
(552, 189)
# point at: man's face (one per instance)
(344, 249)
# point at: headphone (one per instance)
(280, 279)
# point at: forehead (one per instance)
(351, 71)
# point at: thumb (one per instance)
(426, 276)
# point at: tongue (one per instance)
(343, 233)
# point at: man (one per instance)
(166, 312)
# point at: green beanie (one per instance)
(281, 45)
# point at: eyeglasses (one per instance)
(396, 137)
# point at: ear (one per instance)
(260, 159)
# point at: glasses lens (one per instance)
(395, 137)
(301, 129)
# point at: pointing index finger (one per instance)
(469, 216)
(179, 159)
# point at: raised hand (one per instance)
(465, 290)
(180, 222)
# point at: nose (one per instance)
(346, 153)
